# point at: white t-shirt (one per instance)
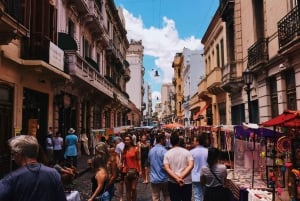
(178, 159)
(57, 142)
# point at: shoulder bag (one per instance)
(224, 192)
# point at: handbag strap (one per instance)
(216, 176)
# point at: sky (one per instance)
(165, 28)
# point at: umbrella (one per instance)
(281, 119)
(173, 125)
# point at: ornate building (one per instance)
(65, 69)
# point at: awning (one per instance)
(293, 123)
(66, 42)
(197, 115)
(242, 131)
(286, 116)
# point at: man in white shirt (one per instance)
(178, 163)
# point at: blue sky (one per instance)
(165, 28)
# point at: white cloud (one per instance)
(160, 43)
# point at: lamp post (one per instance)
(248, 79)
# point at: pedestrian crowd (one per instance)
(176, 170)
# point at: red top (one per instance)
(131, 158)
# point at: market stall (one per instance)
(286, 155)
(250, 162)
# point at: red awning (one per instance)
(281, 119)
(294, 123)
(196, 116)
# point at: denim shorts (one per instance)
(103, 197)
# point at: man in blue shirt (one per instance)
(32, 180)
(199, 154)
(71, 147)
(158, 176)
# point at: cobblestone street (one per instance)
(83, 185)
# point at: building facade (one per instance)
(135, 87)
(263, 35)
(193, 72)
(217, 105)
(66, 69)
(178, 83)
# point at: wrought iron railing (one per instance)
(229, 73)
(258, 52)
(288, 27)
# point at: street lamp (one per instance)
(248, 79)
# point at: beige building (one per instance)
(177, 65)
(216, 109)
(167, 103)
(261, 35)
(65, 69)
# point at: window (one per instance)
(71, 28)
(97, 117)
(291, 90)
(218, 55)
(273, 96)
(222, 52)
(86, 48)
(259, 18)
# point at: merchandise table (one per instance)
(239, 182)
(73, 196)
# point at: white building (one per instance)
(134, 87)
(193, 72)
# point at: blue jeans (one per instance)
(198, 190)
(103, 197)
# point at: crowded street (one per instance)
(140, 100)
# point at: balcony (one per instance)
(231, 81)
(213, 80)
(80, 6)
(12, 24)
(203, 93)
(82, 70)
(127, 74)
(36, 48)
(258, 54)
(289, 29)
(226, 9)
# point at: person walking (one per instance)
(178, 163)
(100, 180)
(199, 153)
(132, 168)
(144, 149)
(119, 147)
(71, 141)
(49, 146)
(58, 143)
(32, 180)
(158, 176)
(213, 176)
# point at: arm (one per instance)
(138, 156)
(113, 166)
(188, 169)
(172, 174)
(100, 177)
